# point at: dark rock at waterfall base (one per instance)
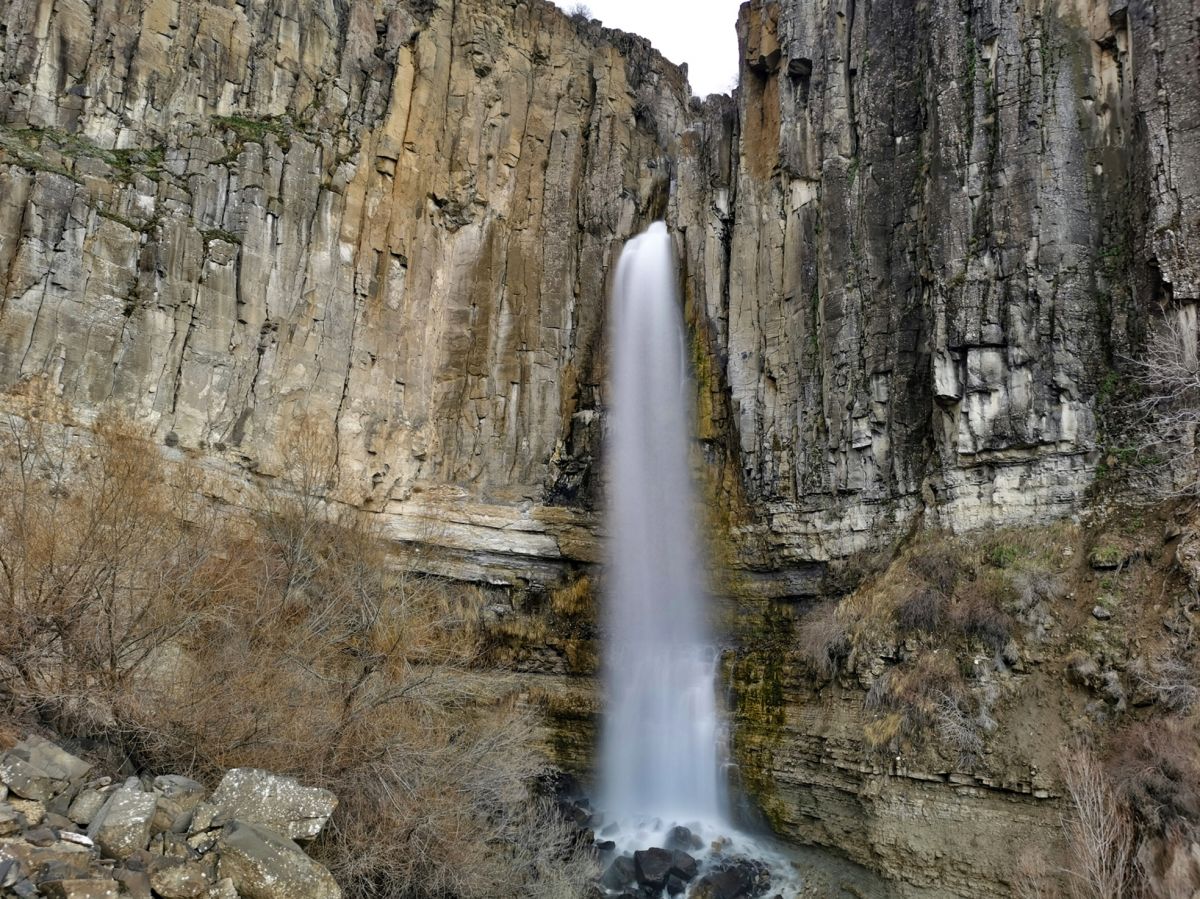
(621, 873)
(675, 886)
(605, 845)
(683, 865)
(653, 867)
(682, 838)
(737, 879)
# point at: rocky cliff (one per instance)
(914, 243)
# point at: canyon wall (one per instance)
(942, 225)
(915, 243)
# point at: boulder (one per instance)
(11, 821)
(61, 861)
(683, 865)
(652, 867)
(222, 889)
(180, 880)
(177, 800)
(135, 884)
(123, 825)
(675, 886)
(682, 838)
(266, 865)
(87, 804)
(737, 879)
(37, 769)
(34, 812)
(621, 873)
(280, 803)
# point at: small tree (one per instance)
(581, 11)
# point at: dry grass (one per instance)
(576, 599)
(822, 641)
(130, 612)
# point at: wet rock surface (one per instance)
(141, 839)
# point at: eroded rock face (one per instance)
(393, 223)
(942, 225)
(913, 244)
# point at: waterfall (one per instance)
(659, 752)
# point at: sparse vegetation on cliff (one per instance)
(136, 616)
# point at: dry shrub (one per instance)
(924, 611)
(1100, 833)
(925, 696)
(103, 561)
(822, 641)
(1173, 680)
(289, 642)
(941, 564)
(979, 616)
(1156, 774)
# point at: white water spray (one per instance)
(659, 755)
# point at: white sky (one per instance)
(701, 33)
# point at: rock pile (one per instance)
(65, 835)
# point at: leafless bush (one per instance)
(1156, 773)
(103, 560)
(979, 616)
(1174, 682)
(924, 610)
(958, 730)
(1100, 832)
(289, 642)
(1166, 376)
(822, 641)
(581, 11)
(922, 698)
(941, 565)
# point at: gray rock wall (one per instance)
(942, 224)
(913, 243)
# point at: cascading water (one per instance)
(659, 755)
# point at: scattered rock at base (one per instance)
(681, 837)
(123, 825)
(137, 844)
(652, 867)
(37, 769)
(280, 803)
(739, 878)
(621, 873)
(265, 865)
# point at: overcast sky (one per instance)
(701, 33)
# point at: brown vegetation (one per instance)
(134, 614)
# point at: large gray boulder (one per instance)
(280, 803)
(265, 865)
(123, 825)
(37, 769)
(177, 800)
